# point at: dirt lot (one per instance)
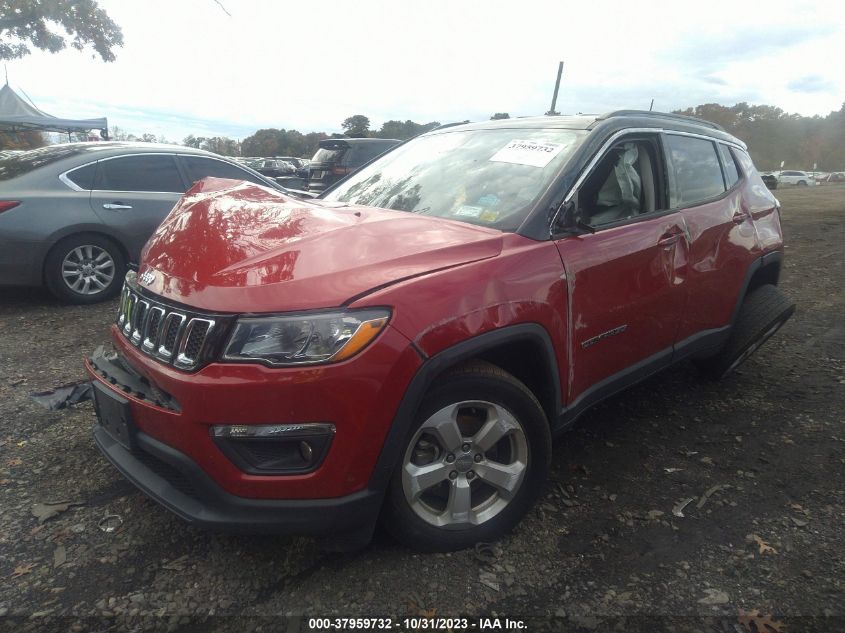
(762, 544)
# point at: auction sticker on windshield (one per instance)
(527, 153)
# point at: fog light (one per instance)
(274, 448)
(306, 451)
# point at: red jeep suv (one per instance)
(405, 346)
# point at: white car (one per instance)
(800, 178)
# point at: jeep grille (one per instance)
(182, 338)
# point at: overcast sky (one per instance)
(189, 68)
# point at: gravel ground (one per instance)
(759, 548)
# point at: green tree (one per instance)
(222, 145)
(500, 115)
(193, 141)
(148, 138)
(404, 130)
(773, 135)
(52, 25)
(356, 126)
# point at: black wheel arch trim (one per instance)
(770, 260)
(435, 365)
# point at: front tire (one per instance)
(473, 463)
(761, 314)
(85, 268)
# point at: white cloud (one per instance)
(187, 67)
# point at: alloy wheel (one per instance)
(88, 269)
(465, 464)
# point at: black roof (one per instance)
(611, 121)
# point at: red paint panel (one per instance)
(623, 277)
(722, 243)
(360, 396)
(246, 248)
(524, 284)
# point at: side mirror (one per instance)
(569, 220)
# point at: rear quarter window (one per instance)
(695, 174)
(83, 177)
(731, 171)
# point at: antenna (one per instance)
(552, 111)
(6, 67)
(651, 107)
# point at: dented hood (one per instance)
(237, 247)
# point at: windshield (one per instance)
(487, 177)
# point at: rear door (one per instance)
(625, 279)
(706, 187)
(132, 194)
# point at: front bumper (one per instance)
(175, 461)
(175, 481)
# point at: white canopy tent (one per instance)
(16, 115)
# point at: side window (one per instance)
(745, 161)
(154, 172)
(694, 167)
(198, 167)
(622, 185)
(83, 177)
(731, 170)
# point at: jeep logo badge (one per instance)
(148, 277)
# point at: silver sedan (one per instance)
(73, 217)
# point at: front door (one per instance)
(133, 194)
(625, 278)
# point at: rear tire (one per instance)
(763, 311)
(84, 268)
(473, 463)
(802, 183)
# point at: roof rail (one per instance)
(661, 115)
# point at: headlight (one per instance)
(304, 339)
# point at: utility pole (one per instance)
(552, 111)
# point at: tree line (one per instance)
(773, 135)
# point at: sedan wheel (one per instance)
(88, 269)
(84, 268)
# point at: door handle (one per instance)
(739, 217)
(114, 206)
(668, 240)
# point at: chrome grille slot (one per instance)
(121, 312)
(152, 331)
(139, 320)
(131, 300)
(173, 336)
(193, 340)
(173, 323)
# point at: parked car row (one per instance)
(774, 179)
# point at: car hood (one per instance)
(237, 247)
